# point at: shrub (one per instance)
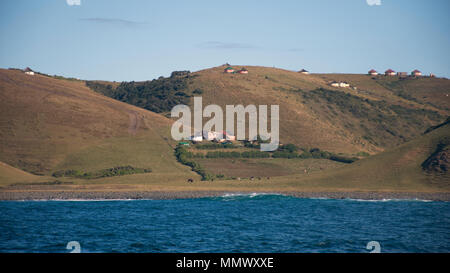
(212, 146)
(305, 154)
(284, 154)
(289, 148)
(343, 159)
(183, 156)
(115, 171)
(362, 154)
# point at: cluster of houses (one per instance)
(390, 72)
(231, 70)
(213, 136)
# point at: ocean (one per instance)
(231, 223)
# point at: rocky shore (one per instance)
(159, 195)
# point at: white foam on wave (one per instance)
(251, 195)
(389, 200)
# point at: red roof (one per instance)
(389, 71)
(372, 71)
(415, 71)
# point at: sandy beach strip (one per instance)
(164, 195)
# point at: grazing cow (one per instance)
(252, 178)
(190, 180)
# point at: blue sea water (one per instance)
(233, 223)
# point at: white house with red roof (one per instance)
(416, 73)
(228, 136)
(28, 71)
(373, 72)
(243, 71)
(389, 72)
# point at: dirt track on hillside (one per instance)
(135, 122)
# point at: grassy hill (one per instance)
(53, 129)
(401, 168)
(397, 170)
(370, 116)
(49, 125)
(9, 175)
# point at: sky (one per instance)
(125, 40)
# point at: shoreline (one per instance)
(168, 195)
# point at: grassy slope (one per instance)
(49, 124)
(316, 122)
(427, 91)
(388, 87)
(9, 174)
(396, 170)
(265, 167)
(298, 124)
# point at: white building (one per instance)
(28, 71)
(304, 71)
(416, 73)
(196, 138)
(243, 71)
(373, 72)
(229, 136)
(340, 84)
(389, 72)
(219, 136)
(212, 135)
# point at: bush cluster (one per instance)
(159, 95)
(184, 157)
(115, 171)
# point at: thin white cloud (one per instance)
(111, 21)
(373, 2)
(225, 45)
(73, 2)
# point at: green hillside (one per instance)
(89, 136)
(366, 117)
(403, 168)
(49, 125)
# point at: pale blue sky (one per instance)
(141, 40)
